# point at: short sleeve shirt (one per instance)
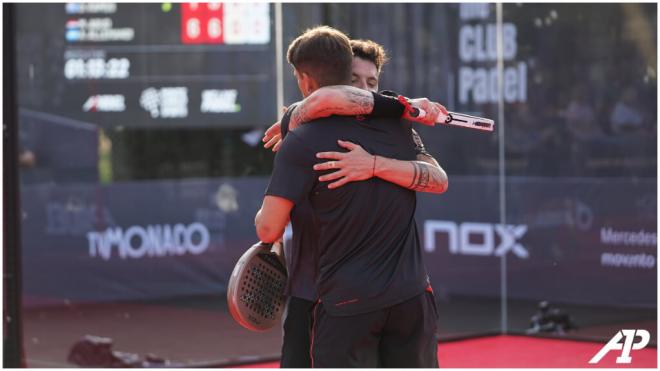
(368, 250)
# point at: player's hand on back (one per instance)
(273, 135)
(354, 165)
(432, 110)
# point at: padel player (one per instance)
(369, 58)
(372, 308)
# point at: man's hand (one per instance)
(273, 137)
(423, 175)
(272, 218)
(432, 110)
(354, 165)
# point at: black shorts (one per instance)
(400, 336)
(297, 328)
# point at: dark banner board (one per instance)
(587, 241)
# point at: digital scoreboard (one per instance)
(148, 65)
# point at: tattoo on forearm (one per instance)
(425, 177)
(352, 101)
(300, 114)
(328, 111)
(360, 103)
(414, 179)
(420, 177)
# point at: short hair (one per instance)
(371, 51)
(324, 53)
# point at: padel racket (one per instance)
(466, 121)
(461, 119)
(256, 286)
(453, 118)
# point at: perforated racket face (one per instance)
(255, 293)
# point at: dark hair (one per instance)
(323, 53)
(371, 51)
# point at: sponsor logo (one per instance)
(226, 198)
(640, 238)
(167, 102)
(105, 103)
(617, 260)
(477, 45)
(476, 238)
(220, 101)
(625, 347)
(154, 241)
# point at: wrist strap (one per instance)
(385, 106)
(412, 111)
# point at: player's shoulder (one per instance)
(320, 129)
(389, 125)
(298, 143)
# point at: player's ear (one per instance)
(313, 85)
(309, 85)
(306, 83)
(303, 84)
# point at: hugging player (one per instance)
(341, 338)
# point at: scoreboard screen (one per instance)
(148, 65)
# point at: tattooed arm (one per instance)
(332, 100)
(423, 175)
(345, 100)
(326, 101)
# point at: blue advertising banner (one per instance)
(565, 240)
(139, 240)
(582, 241)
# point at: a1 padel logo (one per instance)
(625, 347)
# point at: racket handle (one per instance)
(458, 119)
(441, 119)
(278, 249)
(417, 112)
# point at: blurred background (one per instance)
(141, 167)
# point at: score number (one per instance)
(202, 23)
(237, 23)
(97, 68)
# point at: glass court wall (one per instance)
(581, 166)
(142, 167)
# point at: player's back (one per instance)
(369, 253)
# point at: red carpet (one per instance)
(521, 351)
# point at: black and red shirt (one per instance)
(368, 252)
